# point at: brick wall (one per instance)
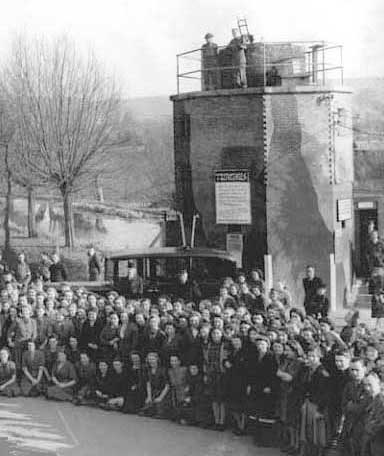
(226, 132)
(285, 137)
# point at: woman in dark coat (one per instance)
(102, 383)
(214, 368)
(235, 385)
(134, 398)
(90, 335)
(110, 338)
(261, 368)
(198, 408)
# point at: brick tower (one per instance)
(290, 137)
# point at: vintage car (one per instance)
(159, 268)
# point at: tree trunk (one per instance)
(99, 190)
(100, 194)
(68, 220)
(8, 204)
(31, 214)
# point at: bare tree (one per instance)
(66, 111)
(7, 128)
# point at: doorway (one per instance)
(365, 217)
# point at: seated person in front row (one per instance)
(117, 387)
(8, 383)
(32, 380)
(63, 379)
(157, 402)
(86, 374)
(134, 398)
(102, 384)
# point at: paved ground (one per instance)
(30, 427)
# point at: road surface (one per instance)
(36, 427)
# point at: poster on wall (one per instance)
(344, 210)
(235, 247)
(233, 197)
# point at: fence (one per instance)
(267, 64)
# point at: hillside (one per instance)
(142, 169)
(368, 108)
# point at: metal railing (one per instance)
(298, 62)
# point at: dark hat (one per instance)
(208, 35)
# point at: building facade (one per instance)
(293, 144)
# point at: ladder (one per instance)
(242, 25)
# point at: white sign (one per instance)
(233, 197)
(344, 209)
(235, 247)
(366, 205)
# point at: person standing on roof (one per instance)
(209, 63)
(239, 60)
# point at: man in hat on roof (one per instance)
(209, 63)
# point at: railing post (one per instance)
(264, 69)
(341, 65)
(177, 75)
(323, 64)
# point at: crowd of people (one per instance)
(247, 360)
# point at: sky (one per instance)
(138, 40)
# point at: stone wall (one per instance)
(303, 159)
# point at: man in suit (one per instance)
(311, 284)
(134, 283)
(94, 267)
(57, 270)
